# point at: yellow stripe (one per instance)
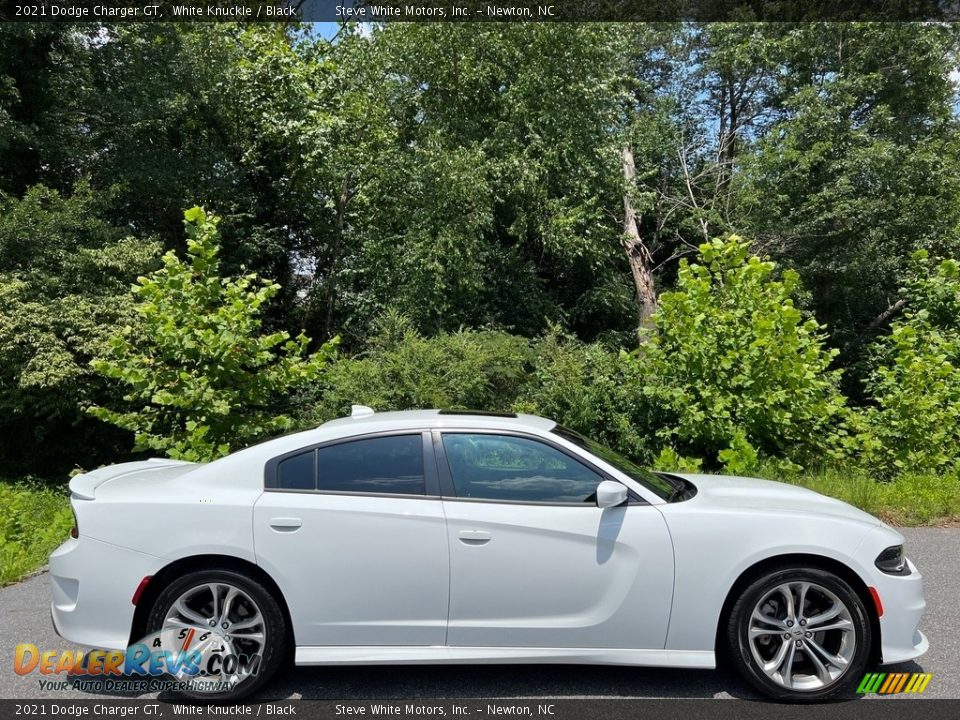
(912, 685)
(922, 685)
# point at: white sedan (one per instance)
(452, 537)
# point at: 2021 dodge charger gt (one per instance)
(450, 537)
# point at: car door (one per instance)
(353, 532)
(534, 562)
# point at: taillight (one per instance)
(140, 588)
(74, 531)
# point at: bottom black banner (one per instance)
(876, 708)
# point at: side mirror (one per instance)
(610, 494)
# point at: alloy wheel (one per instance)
(221, 623)
(802, 636)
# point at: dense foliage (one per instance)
(201, 378)
(737, 365)
(530, 217)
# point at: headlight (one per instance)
(892, 561)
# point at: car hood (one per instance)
(753, 493)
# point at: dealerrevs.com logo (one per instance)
(179, 659)
(892, 683)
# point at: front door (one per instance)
(534, 562)
(355, 542)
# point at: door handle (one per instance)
(285, 524)
(474, 537)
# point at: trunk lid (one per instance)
(85, 486)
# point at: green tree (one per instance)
(913, 422)
(857, 164)
(201, 378)
(736, 365)
(64, 279)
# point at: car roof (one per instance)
(365, 420)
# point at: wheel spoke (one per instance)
(786, 674)
(766, 619)
(215, 589)
(787, 593)
(246, 624)
(227, 603)
(822, 672)
(836, 609)
(774, 664)
(182, 610)
(801, 598)
(836, 660)
(841, 624)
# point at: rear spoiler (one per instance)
(84, 486)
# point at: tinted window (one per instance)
(296, 473)
(659, 485)
(376, 465)
(501, 467)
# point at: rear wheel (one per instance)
(800, 634)
(231, 624)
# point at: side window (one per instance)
(296, 472)
(392, 464)
(503, 467)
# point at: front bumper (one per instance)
(93, 583)
(903, 605)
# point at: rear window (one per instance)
(390, 464)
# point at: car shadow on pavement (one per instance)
(504, 681)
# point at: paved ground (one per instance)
(24, 609)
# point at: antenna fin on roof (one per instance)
(359, 411)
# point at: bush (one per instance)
(202, 380)
(468, 369)
(738, 370)
(592, 390)
(914, 423)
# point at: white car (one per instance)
(451, 537)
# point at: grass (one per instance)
(34, 519)
(908, 500)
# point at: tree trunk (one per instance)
(637, 253)
(330, 301)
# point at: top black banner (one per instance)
(477, 10)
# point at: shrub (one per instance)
(914, 423)
(735, 365)
(400, 370)
(202, 379)
(592, 390)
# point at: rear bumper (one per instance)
(93, 583)
(903, 606)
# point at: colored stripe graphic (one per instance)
(893, 683)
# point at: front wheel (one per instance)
(229, 628)
(800, 635)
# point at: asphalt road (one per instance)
(25, 618)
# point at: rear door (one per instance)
(534, 562)
(353, 532)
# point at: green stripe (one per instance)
(870, 682)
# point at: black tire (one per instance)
(275, 648)
(742, 656)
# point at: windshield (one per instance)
(663, 487)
